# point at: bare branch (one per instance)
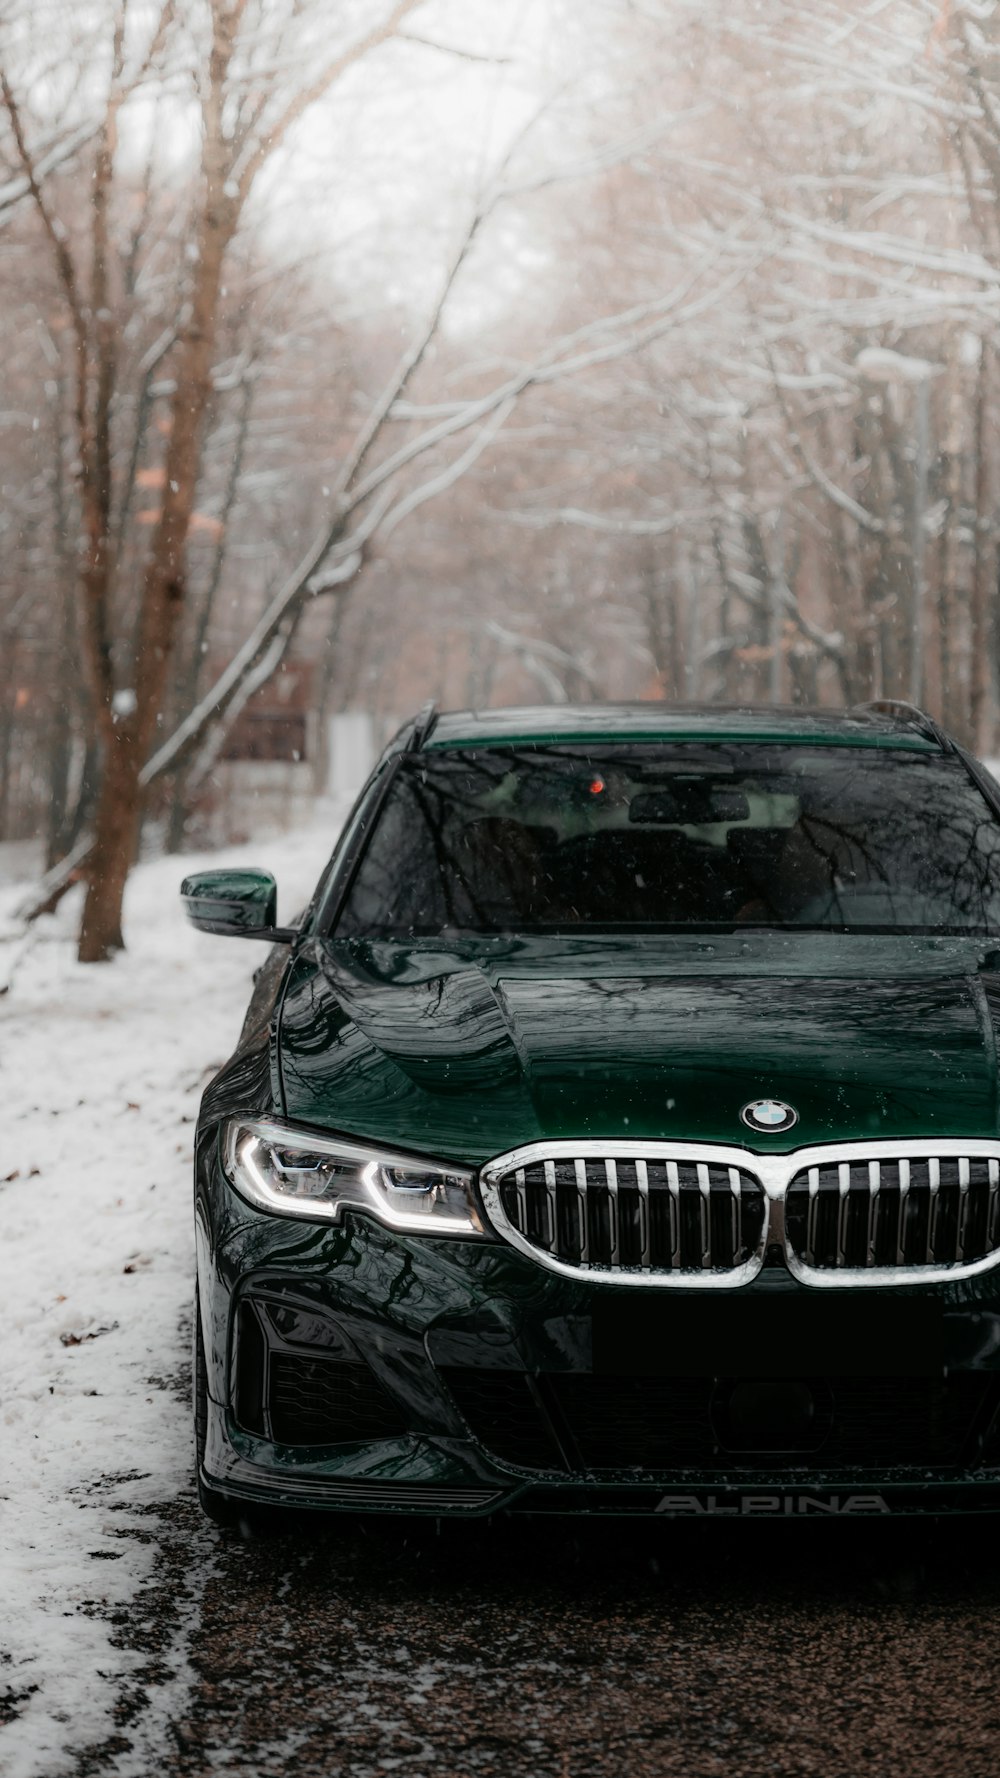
(545, 371)
(54, 229)
(453, 472)
(616, 524)
(453, 49)
(228, 684)
(253, 156)
(46, 161)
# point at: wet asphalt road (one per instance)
(573, 1650)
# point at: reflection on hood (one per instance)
(471, 1049)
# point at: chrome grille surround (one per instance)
(913, 1212)
(894, 1188)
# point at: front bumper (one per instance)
(353, 1369)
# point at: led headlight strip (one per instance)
(293, 1172)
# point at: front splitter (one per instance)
(678, 1502)
(857, 1500)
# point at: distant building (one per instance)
(281, 754)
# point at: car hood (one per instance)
(470, 1049)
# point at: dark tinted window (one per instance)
(517, 840)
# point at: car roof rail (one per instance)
(912, 713)
(411, 737)
(420, 727)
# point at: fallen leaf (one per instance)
(75, 1339)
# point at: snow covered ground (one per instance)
(101, 1070)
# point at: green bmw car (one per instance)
(617, 1130)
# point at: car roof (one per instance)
(538, 725)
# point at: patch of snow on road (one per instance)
(101, 1070)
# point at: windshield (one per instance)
(663, 837)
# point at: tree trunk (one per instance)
(129, 742)
(116, 837)
(191, 674)
(60, 746)
(981, 662)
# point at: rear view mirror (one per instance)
(235, 904)
(727, 805)
(687, 804)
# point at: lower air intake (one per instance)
(320, 1401)
(300, 1381)
(580, 1423)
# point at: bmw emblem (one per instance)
(771, 1116)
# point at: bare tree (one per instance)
(246, 108)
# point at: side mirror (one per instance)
(235, 904)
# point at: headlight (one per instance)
(298, 1174)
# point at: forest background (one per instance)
(565, 350)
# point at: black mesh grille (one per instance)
(320, 1401)
(637, 1422)
(500, 1410)
(923, 1212)
(627, 1214)
(666, 1424)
